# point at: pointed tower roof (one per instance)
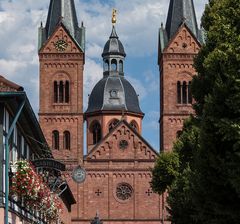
(63, 11)
(179, 12)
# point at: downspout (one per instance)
(7, 158)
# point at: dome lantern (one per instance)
(113, 53)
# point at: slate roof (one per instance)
(114, 45)
(103, 99)
(113, 92)
(179, 12)
(62, 11)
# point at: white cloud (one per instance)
(92, 74)
(6, 18)
(94, 50)
(138, 86)
(137, 27)
(10, 67)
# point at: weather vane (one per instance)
(114, 16)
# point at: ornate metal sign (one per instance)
(49, 163)
(50, 170)
(79, 174)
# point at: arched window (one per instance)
(61, 92)
(179, 98)
(106, 66)
(114, 65)
(67, 91)
(189, 93)
(134, 125)
(55, 140)
(184, 93)
(96, 133)
(66, 140)
(112, 124)
(55, 87)
(120, 66)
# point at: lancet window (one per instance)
(66, 140)
(55, 139)
(96, 132)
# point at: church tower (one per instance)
(118, 157)
(61, 56)
(179, 43)
(113, 98)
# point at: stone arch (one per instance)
(95, 131)
(112, 123)
(134, 125)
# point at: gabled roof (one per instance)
(176, 34)
(60, 25)
(7, 86)
(62, 11)
(113, 130)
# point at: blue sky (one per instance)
(137, 28)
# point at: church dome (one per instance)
(113, 46)
(113, 93)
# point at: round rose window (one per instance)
(124, 191)
(123, 144)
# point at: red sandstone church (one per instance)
(118, 158)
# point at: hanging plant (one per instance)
(30, 186)
(25, 183)
(51, 206)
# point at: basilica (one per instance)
(118, 158)
(118, 162)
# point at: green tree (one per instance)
(206, 188)
(215, 182)
(172, 172)
(165, 171)
(179, 200)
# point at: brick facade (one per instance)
(57, 66)
(176, 65)
(106, 164)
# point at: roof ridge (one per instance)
(104, 91)
(114, 128)
(125, 103)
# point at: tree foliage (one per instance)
(206, 188)
(178, 185)
(165, 171)
(216, 182)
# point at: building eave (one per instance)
(27, 120)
